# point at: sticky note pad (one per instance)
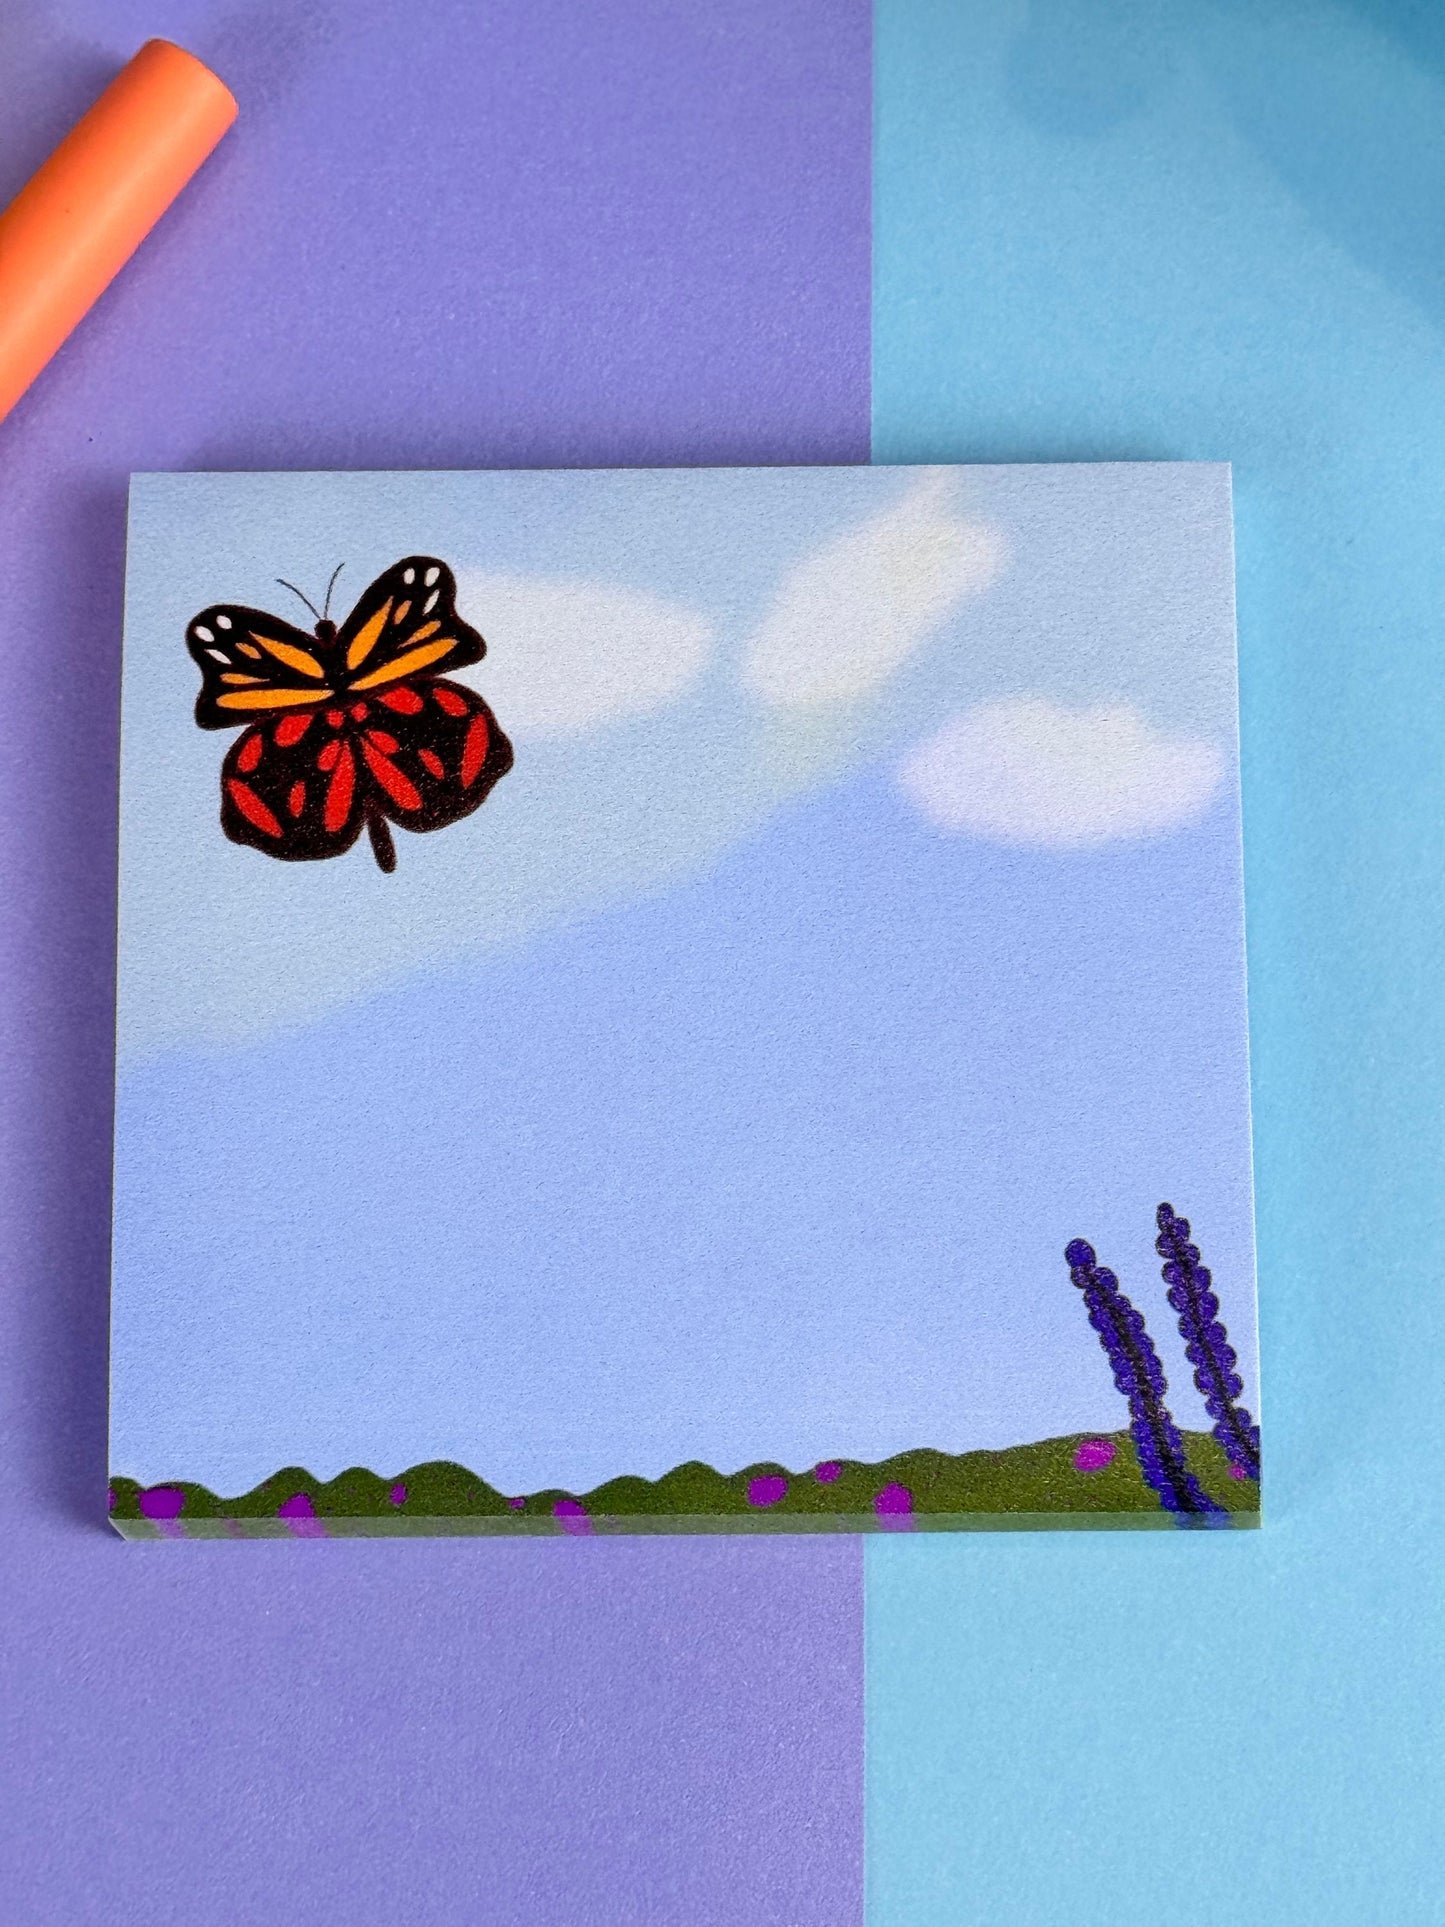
(682, 1000)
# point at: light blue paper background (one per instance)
(699, 1097)
(1214, 231)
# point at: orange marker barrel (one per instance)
(75, 224)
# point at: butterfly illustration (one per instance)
(351, 725)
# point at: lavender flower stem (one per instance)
(1140, 1377)
(1206, 1342)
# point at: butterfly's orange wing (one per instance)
(253, 664)
(406, 625)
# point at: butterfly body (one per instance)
(349, 726)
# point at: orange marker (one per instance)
(75, 224)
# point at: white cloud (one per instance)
(565, 657)
(850, 614)
(1028, 771)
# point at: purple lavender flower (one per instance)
(1140, 1377)
(1206, 1343)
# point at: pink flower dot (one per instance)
(828, 1471)
(767, 1490)
(517, 1505)
(110, 1498)
(164, 1502)
(300, 1516)
(397, 1494)
(1094, 1454)
(893, 1498)
(571, 1515)
(1238, 1472)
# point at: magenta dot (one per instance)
(571, 1515)
(893, 1498)
(397, 1494)
(300, 1516)
(767, 1490)
(517, 1505)
(165, 1502)
(110, 1498)
(1238, 1472)
(1094, 1454)
(828, 1471)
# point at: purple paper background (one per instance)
(441, 234)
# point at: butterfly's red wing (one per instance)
(429, 752)
(294, 787)
(254, 665)
(406, 624)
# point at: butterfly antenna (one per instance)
(305, 598)
(329, 587)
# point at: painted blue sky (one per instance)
(861, 922)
